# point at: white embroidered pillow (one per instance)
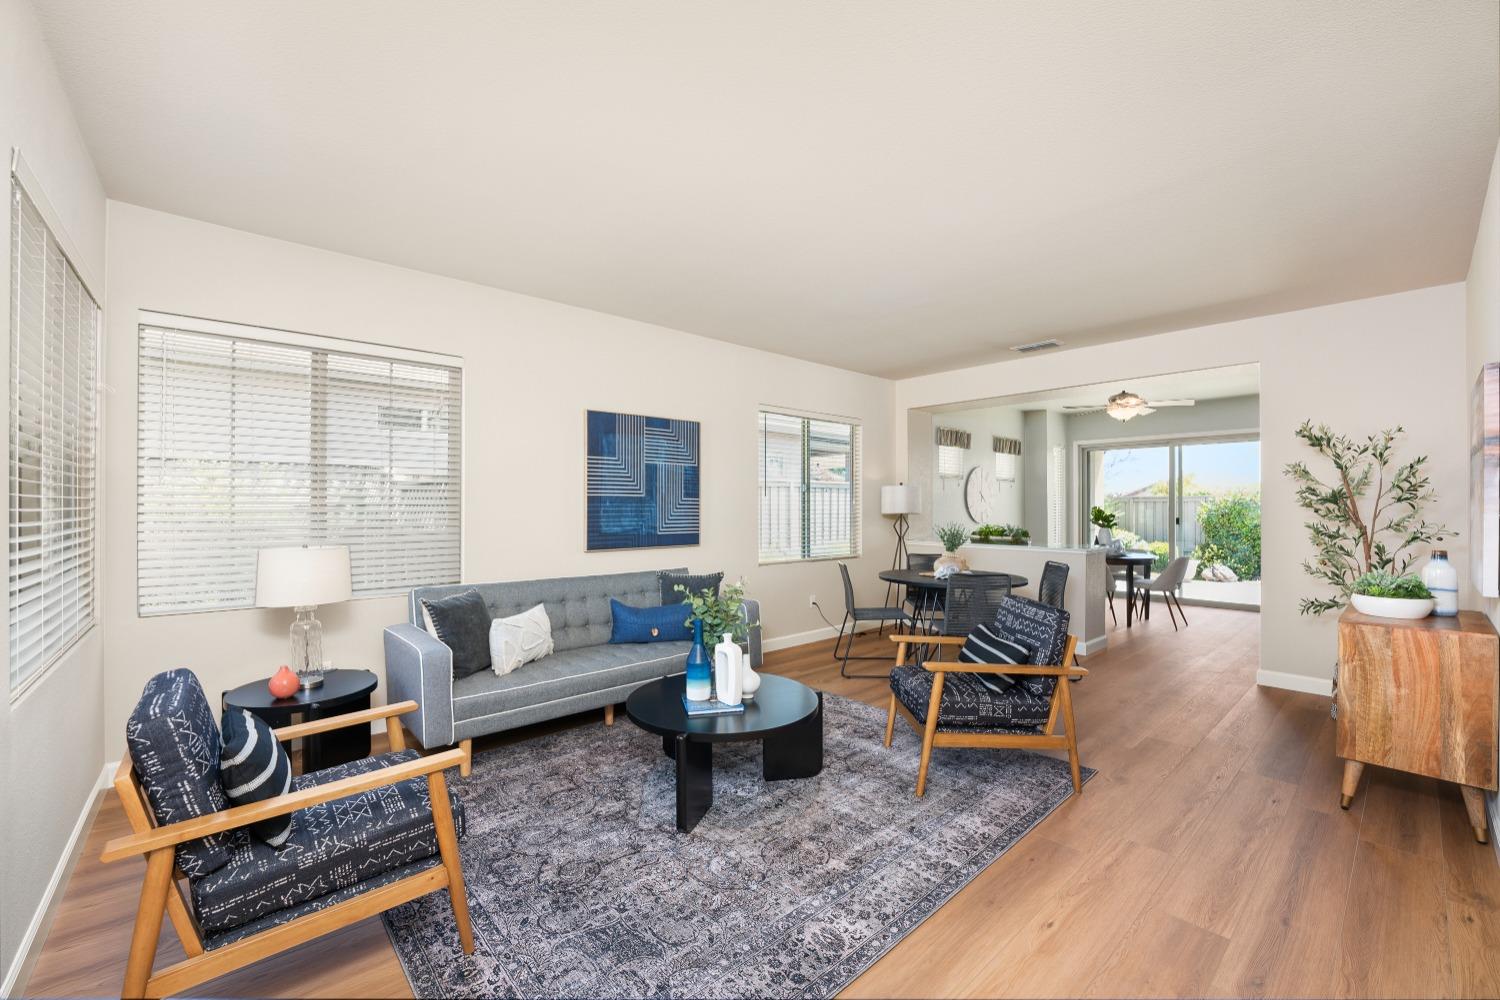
(519, 639)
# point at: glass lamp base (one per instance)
(307, 648)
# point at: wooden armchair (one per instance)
(937, 731)
(212, 954)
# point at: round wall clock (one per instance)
(977, 494)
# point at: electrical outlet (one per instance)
(812, 600)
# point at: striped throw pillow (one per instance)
(988, 645)
(253, 767)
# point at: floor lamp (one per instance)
(899, 501)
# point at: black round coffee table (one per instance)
(341, 691)
(786, 716)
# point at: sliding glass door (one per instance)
(1197, 498)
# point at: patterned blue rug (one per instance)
(580, 885)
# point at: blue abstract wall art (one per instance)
(643, 481)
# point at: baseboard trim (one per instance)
(1294, 682)
(1095, 645)
(803, 638)
(41, 921)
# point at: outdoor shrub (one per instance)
(1230, 524)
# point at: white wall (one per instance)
(532, 368)
(1358, 366)
(1482, 316)
(50, 744)
(983, 425)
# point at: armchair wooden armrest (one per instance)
(229, 819)
(951, 666)
(918, 639)
(365, 717)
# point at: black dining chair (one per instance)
(972, 599)
(1051, 590)
(852, 617)
(924, 602)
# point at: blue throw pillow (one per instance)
(667, 623)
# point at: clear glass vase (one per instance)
(307, 648)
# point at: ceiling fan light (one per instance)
(1120, 413)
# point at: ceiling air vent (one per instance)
(1040, 345)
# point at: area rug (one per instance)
(580, 885)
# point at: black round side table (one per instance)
(341, 691)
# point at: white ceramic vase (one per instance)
(1392, 607)
(728, 658)
(749, 679)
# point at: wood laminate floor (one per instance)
(1208, 857)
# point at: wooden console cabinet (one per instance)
(1421, 696)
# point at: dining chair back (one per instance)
(922, 562)
(972, 599)
(1166, 584)
(1054, 584)
(843, 645)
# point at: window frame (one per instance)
(856, 485)
(26, 183)
(315, 343)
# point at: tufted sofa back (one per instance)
(577, 605)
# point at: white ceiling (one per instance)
(892, 187)
(1203, 384)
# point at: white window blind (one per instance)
(247, 442)
(809, 488)
(950, 461)
(54, 343)
(1057, 489)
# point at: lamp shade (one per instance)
(296, 576)
(900, 500)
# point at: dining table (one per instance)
(1132, 561)
(930, 588)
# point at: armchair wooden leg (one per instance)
(148, 918)
(609, 715)
(890, 721)
(447, 838)
(467, 746)
(1065, 691)
(395, 734)
(929, 731)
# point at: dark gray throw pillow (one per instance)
(695, 582)
(253, 767)
(462, 623)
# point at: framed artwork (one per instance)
(1484, 482)
(642, 481)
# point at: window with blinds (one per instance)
(249, 439)
(1057, 496)
(809, 488)
(54, 347)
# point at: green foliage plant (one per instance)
(987, 532)
(1378, 583)
(1101, 518)
(1367, 517)
(952, 535)
(720, 611)
(1230, 524)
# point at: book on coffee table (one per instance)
(711, 707)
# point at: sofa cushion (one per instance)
(174, 746)
(333, 846)
(578, 606)
(566, 674)
(253, 767)
(696, 583)
(666, 623)
(520, 639)
(462, 622)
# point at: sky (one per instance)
(1225, 465)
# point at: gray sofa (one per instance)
(583, 672)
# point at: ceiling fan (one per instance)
(1125, 405)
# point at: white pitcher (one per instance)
(728, 663)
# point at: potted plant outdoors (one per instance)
(952, 536)
(1353, 536)
(1105, 521)
(1386, 595)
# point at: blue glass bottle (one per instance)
(699, 667)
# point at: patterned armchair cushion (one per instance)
(174, 744)
(968, 703)
(334, 846)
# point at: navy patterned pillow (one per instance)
(462, 623)
(174, 745)
(696, 583)
(986, 644)
(253, 767)
(1042, 626)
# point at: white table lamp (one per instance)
(302, 577)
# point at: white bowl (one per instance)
(1392, 607)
